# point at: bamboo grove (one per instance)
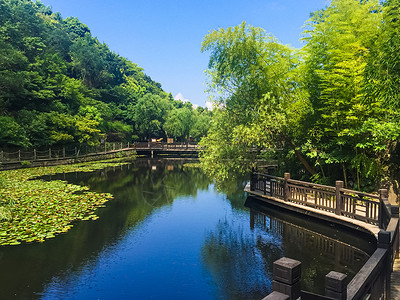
(327, 111)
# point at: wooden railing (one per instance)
(373, 280)
(164, 146)
(32, 155)
(344, 202)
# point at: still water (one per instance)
(170, 234)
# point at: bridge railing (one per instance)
(373, 280)
(164, 146)
(32, 155)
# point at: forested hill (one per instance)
(59, 85)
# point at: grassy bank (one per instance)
(32, 210)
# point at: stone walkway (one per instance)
(395, 276)
(395, 281)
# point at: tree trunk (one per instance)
(304, 162)
(301, 157)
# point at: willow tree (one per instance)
(251, 80)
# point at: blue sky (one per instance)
(164, 36)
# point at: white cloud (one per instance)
(209, 105)
(180, 97)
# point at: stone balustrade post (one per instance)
(384, 239)
(286, 277)
(276, 296)
(336, 286)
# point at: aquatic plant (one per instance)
(32, 209)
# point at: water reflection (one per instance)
(241, 262)
(139, 189)
(169, 234)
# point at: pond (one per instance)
(170, 234)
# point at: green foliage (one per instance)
(26, 163)
(333, 105)
(148, 115)
(179, 123)
(201, 124)
(11, 133)
(254, 74)
(59, 85)
(5, 214)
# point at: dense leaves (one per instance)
(59, 85)
(327, 112)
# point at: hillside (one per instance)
(59, 85)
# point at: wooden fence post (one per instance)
(2, 156)
(34, 154)
(335, 286)
(19, 155)
(286, 190)
(252, 176)
(63, 152)
(339, 186)
(49, 153)
(396, 240)
(383, 194)
(286, 277)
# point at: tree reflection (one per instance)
(241, 262)
(237, 266)
(138, 190)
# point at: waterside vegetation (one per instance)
(33, 209)
(328, 111)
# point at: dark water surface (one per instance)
(168, 234)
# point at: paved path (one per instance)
(395, 276)
(395, 281)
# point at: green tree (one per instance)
(343, 125)
(11, 133)
(148, 115)
(201, 124)
(179, 123)
(254, 74)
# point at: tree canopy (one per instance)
(328, 111)
(59, 85)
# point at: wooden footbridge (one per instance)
(160, 148)
(51, 156)
(371, 213)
